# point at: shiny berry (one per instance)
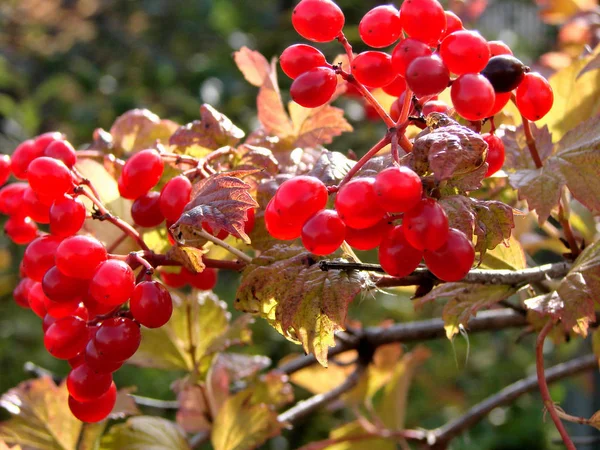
(356, 203)
(396, 256)
(473, 96)
(534, 96)
(66, 215)
(398, 189)
(318, 20)
(78, 256)
(426, 225)
(140, 173)
(373, 69)
(94, 410)
(314, 87)
(453, 260)
(49, 177)
(380, 27)
(505, 72)
(112, 283)
(423, 20)
(427, 75)
(151, 304)
(117, 339)
(323, 233)
(464, 51)
(495, 153)
(21, 230)
(300, 58)
(174, 196)
(405, 52)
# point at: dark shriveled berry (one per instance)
(505, 72)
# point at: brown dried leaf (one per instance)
(250, 157)
(189, 257)
(221, 201)
(494, 224)
(285, 286)
(214, 130)
(459, 210)
(317, 126)
(331, 167)
(139, 129)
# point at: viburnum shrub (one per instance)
(125, 236)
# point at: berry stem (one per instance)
(347, 47)
(103, 214)
(362, 161)
(548, 403)
(180, 159)
(530, 139)
(158, 259)
(405, 106)
(135, 258)
(215, 240)
(563, 218)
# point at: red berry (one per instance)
(34, 208)
(63, 151)
(174, 196)
(67, 215)
(95, 308)
(4, 168)
(499, 48)
(464, 51)
(534, 96)
(21, 230)
(145, 210)
(112, 283)
(151, 304)
(396, 88)
(426, 225)
(502, 98)
(314, 87)
(368, 238)
(22, 292)
(453, 23)
(278, 226)
(300, 58)
(22, 156)
(318, 20)
(250, 220)
(453, 260)
(11, 199)
(473, 96)
(117, 339)
(140, 173)
(78, 256)
(427, 75)
(174, 279)
(398, 189)
(405, 52)
(48, 320)
(39, 256)
(323, 233)
(94, 410)
(435, 106)
(505, 72)
(396, 108)
(373, 69)
(96, 362)
(222, 234)
(66, 337)
(65, 309)
(205, 280)
(36, 301)
(299, 198)
(495, 153)
(356, 203)
(380, 26)
(84, 384)
(396, 256)
(49, 177)
(76, 361)
(59, 287)
(424, 20)
(44, 140)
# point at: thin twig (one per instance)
(541, 378)
(215, 240)
(531, 145)
(563, 218)
(154, 402)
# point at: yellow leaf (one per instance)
(145, 432)
(507, 257)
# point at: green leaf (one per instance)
(576, 98)
(214, 130)
(145, 433)
(494, 224)
(578, 156)
(248, 418)
(465, 300)
(139, 129)
(285, 286)
(200, 322)
(41, 419)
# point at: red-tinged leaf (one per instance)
(550, 305)
(271, 112)
(331, 167)
(578, 156)
(40, 416)
(517, 154)
(253, 65)
(351, 436)
(248, 418)
(214, 130)
(578, 310)
(465, 299)
(250, 157)
(194, 413)
(493, 225)
(459, 210)
(139, 129)
(588, 265)
(317, 126)
(470, 181)
(221, 201)
(285, 286)
(540, 187)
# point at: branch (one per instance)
(424, 330)
(479, 276)
(542, 382)
(509, 394)
(531, 143)
(305, 407)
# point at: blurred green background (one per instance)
(75, 65)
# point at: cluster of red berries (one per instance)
(365, 216)
(71, 281)
(432, 45)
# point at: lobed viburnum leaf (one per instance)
(285, 286)
(170, 347)
(460, 212)
(331, 167)
(221, 201)
(448, 150)
(517, 154)
(139, 129)
(317, 126)
(251, 157)
(214, 130)
(465, 299)
(248, 418)
(145, 432)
